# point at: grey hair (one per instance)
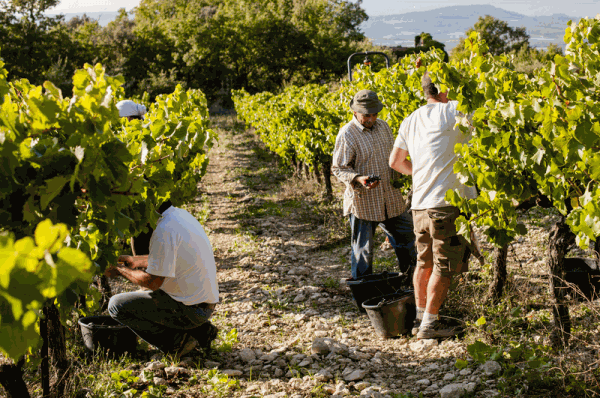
(429, 88)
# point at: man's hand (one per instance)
(418, 63)
(111, 272)
(362, 180)
(127, 260)
(134, 262)
(135, 275)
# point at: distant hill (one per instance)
(448, 24)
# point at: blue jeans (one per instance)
(156, 317)
(400, 233)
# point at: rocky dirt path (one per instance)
(288, 325)
(279, 268)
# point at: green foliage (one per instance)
(227, 340)
(407, 395)
(36, 46)
(423, 43)
(302, 123)
(211, 44)
(220, 383)
(524, 363)
(528, 60)
(92, 302)
(332, 283)
(482, 352)
(123, 380)
(256, 45)
(498, 35)
(299, 124)
(122, 384)
(532, 137)
(107, 377)
(33, 270)
(74, 163)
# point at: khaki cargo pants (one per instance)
(438, 244)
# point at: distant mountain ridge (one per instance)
(448, 24)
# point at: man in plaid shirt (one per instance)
(363, 148)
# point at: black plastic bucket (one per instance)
(393, 314)
(583, 273)
(375, 285)
(107, 333)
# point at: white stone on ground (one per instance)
(423, 345)
(172, 371)
(490, 368)
(356, 375)
(156, 365)
(362, 385)
(232, 372)
(247, 355)
(453, 391)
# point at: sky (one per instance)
(575, 8)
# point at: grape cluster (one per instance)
(371, 178)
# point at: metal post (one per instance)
(387, 60)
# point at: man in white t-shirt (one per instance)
(429, 136)
(181, 276)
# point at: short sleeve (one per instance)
(163, 252)
(400, 141)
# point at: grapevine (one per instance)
(78, 180)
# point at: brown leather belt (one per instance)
(208, 306)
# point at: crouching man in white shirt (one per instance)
(181, 274)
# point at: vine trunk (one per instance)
(499, 278)
(11, 378)
(559, 241)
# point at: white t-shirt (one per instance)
(181, 252)
(429, 136)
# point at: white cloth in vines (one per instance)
(362, 151)
(429, 136)
(181, 252)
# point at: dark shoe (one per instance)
(187, 345)
(415, 328)
(437, 330)
(205, 334)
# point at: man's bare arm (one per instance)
(134, 262)
(399, 161)
(136, 276)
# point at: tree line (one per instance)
(214, 45)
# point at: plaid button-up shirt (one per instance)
(361, 151)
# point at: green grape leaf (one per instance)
(50, 237)
(53, 188)
(461, 364)
(72, 265)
